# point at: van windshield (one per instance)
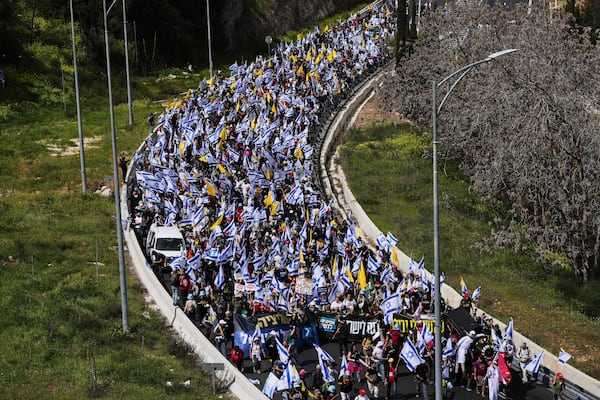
(168, 244)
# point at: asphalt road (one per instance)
(307, 359)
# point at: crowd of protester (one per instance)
(232, 165)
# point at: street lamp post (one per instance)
(437, 108)
(129, 102)
(124, 313)
(210, 61)
(78, 103)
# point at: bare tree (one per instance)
(524, 128)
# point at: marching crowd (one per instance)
(232, 165)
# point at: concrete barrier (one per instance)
(581, 386)
(240, 386)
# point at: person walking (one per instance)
(421, 380)
(390, 381)
(524, 356)
(373, 379)
(558, 385)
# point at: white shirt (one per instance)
(462, 347)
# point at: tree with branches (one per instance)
(524, 129)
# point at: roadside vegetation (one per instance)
(61, 331)
(388, 168)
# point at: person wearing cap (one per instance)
(558, 385)
(460, 351)
(190, 307)
(271, 343)
(256, 354)
(219, 332)
(362, 395)
(317, 395)
(377, 356)
(330, 392)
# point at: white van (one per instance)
(166, 240)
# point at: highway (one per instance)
(406, 388)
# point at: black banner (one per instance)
(358, 327)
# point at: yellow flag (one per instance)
(233, 85)
(334, 266)
(300, 70)
(301, 256)
(294, 58)
(395, 257)
(223, 134)
(182, 147)
(274, 207)
(273, 109)
(319, 58)
(299, 36)
(308, 56)
(299, 153)
(268, 96)
(362, 276)
(217, 223)
(204, 158)
(223, 169)
(210, 188)
(326, 28)
(349, 274)
(330, 57)
(269, 200)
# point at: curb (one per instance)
(336, 187)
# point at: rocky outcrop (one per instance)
(246, 21)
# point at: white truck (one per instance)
(166, 240)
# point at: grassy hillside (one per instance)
(61, 320)
(389, 171)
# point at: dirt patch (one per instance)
(73, 148)
(372, 113)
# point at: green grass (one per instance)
(59, 313)
(389, 171)
(59, 316)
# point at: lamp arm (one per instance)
(464, 71)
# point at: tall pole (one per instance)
(210, 61)
(436, 259)
(129, 104)
(123, 284)
(78, 103)
(437, 108)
